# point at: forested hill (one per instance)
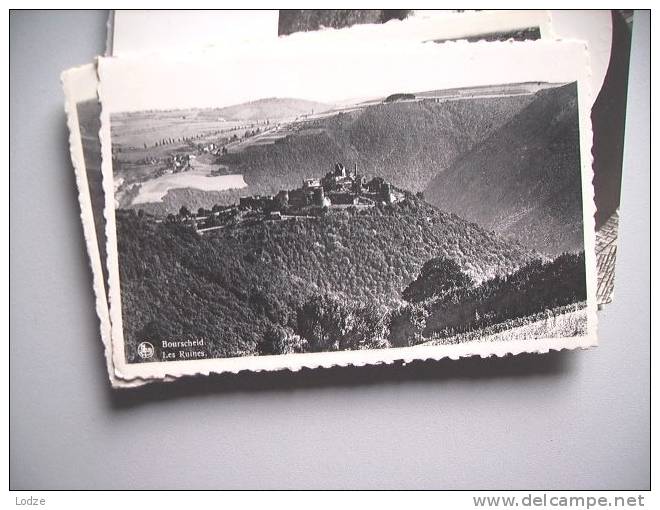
(231, 285)
(406, 143)
(523, 180)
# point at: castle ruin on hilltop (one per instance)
(338, 188)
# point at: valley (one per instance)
(456, 217)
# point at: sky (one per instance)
(328, 71)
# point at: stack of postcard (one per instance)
(259, 192)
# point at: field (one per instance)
(140, 166)
(155, 189)
(143, 142)
(134, 130)
(488, 91)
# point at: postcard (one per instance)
(335, 204)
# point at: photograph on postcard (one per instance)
(400, 212)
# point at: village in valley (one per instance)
(340, 188)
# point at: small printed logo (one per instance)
(145, 350)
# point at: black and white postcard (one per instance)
(286, 206)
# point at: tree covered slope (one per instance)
(523, 180)
(232, 285)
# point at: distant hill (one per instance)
(524, 179)
(232, 285)
(272, 108)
